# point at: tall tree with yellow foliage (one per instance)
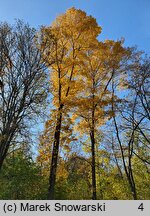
(99, 66)
(72, 32)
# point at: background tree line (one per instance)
(95, 144)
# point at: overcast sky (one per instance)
(119, 18)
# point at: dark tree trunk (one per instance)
(128, 169)
(1, 162)
(4, 146)
(132, 188)
(93, 165)
(53, 168)
(92, 136)
(132, 183)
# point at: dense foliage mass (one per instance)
(96, 140)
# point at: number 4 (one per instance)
(141, 207)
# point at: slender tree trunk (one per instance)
(53, 168)
(93, 165)
(1, 162)
(3, 152)
(132, 182)
(132, 187)
(92, 136)
(134, 194)
(128, 170)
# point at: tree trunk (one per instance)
(93, 166)
(128, 170)
(53, 168)
(134, 194)
(1, 162)
(132, 183)
(4, 146)
(92, 136)
(132, 188)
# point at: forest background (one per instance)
(75, 102)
